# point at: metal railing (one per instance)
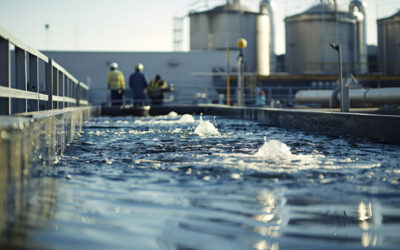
(331, 68)
(195, 93)
(25, 93)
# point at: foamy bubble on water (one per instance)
(273, 148)
(186, 119)
(166, 120)
(206, 128)
(172, 114)
(273, 155)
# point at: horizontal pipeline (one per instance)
(367, 97)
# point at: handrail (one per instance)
(7, 36)
(62, 89)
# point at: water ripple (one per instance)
(156, 182)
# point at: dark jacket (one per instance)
(138, 83)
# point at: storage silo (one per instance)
(220, 28)
(389, 44)
(309, 34)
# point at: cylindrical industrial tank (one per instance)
(388, 44)
(267, 7)
(309, 34)
(220, 28)
(199, 33)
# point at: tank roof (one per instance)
(396, 15)
(226, 8)
(323, 8)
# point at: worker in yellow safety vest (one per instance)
(116, 84)
(156, 90)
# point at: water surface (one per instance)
(186, 182)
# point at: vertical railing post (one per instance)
(66, 89)
(71, 84)
(5, 75)
(61, 88)
(21, 78)
(55, 86)
(67, 83)
(78, 94)
(33, 83)
(49, 84)
(73, 87)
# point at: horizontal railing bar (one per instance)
(84, 86)
(63, 99)
(69, 99)
(64, 71)
(13, 40)
(62, 88)
(83, 102)
(22, 94)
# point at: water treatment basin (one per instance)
(192, 182)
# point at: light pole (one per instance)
(344, 91)
(242, 43)
(46, 28)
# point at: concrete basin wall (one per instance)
(29, 143)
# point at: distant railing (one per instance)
(331, 68)
(40, 83)
(195, 93)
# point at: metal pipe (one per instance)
(344, 91)
(365, 97)
(228, 80)
(240, 79)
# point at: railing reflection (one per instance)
(271, 219)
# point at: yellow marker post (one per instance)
(242, 43)
(228, 80)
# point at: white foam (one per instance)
(166, 120)
(172, 114)
(186, 119)
(274, 148)
(206, 128)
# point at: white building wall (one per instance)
(179, 68)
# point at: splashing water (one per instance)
(169, 119)
(273, 148)
(280, 156)
(206, 128)
(233, 191)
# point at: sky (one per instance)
(133, 25)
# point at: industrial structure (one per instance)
(220, 28)
(389, 44)
(309, 33)
(309, 62)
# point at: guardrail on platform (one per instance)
(273, 96)
(25, 94)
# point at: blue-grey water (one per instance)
(176, 182)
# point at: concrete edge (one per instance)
(29, 143)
